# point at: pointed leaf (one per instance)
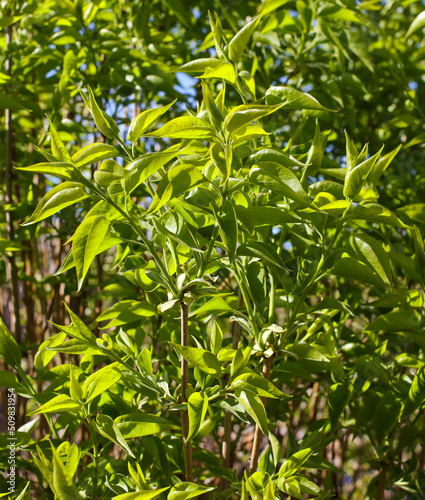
(371, 252)
(338, 397)
(200, 358)
(179, 179)
(94, 153)
(10, 351)
(256, 383)
(184, 127)
(87, 239)
(247, 113)
(108, 428)
(141, 495)
(141, 424)
(238, 43)
(59, 197)
(184, 491)
(55, 169)
(253, 405)
(144, 120)
(356, 177)
(197, 409)
(293, 99)
(100, 381)
(416, 395)
(145, 166)
(59, 150)
(58, 404)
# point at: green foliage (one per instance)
(250, 278)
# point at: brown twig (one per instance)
(187, 447)
(256, 447)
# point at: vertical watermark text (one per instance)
(11, 439)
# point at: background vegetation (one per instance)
(325, 298)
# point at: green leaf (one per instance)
(216, 338)
(386, 415)
(228, 228)
(247, 113)
(10, 352)
(224, 71)
(271, 155)
(338, 397)
(9, 20)
(44, 356)
(280, 179)
(22, 495)
(315, 154)
(356, 177)
(144, 361)
(215, 305)
(104, 123)
(371, 252)
(94, 153)
(126, 311)
(271, 5)
(75, 388)
(416, 395)
(185, 127)
(269, 216)
(100, 381)
(9, 102)
(396, 321)
(256, 383)
(382, 164)
(80, 330)
(373, 212)
(109, 429)
(110, 172)
(263, 251)
(62, 483)
(248, 133)
(58, 198)
(417, 24)
(357, 271)
(197, 409)
(8, 379)
(173, 225)
(10, 246)
(399, 298)
(253, 405)
(141, 495)
(293, 99)
(179, 179)
(200, 65)
(86, 241)
(59, 150)
(291, 465)
(58, 404)
(55, 169)
(215, 116)
(144, 121)
(238, 43)
(183, 491)
(200, 358)
(70, 456)
(217, 32)
(145, 166)
(140, 424)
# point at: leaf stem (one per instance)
(187, 447)
(382, 481)
(145, 240)
(256, 447)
